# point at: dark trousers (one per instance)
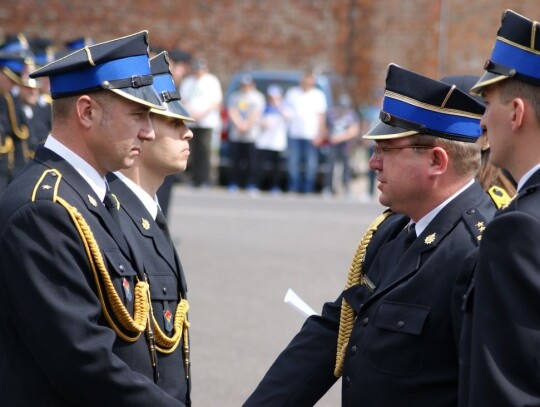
(268, 163)
(199, 158)
(242, 167)
(338, 153)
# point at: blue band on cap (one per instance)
(444, 122)
(94, 76)
(164, 83)
(524, 62)
(15, 66)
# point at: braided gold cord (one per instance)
(21, 132)
(347, 316)
(7, 147)
(166, 344)
(137, 324)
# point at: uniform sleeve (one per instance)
(304, 371)
(52, 313)
(506, 318)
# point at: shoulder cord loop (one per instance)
(166, 344)
(138, 322)
(347, 316)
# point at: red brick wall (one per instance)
(356, 38)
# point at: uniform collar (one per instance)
(85, 170)
(150, 203)
(424, 222)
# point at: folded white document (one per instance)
(298, 304)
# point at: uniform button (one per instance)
(464, 297)
(400, 324)
(365, 321)
(121, 267)
(164, 290)
(354, 350)
(347, 381)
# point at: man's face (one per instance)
(402, 174)
(5, 83)
(496, 123)
(169, 152)
(121, 128)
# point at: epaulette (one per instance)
(47, 186)
(475, 222)
(499, 196)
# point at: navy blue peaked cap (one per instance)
(415, 104)
(166, 89)
(516, 53)
(16, 57)
(121, 66)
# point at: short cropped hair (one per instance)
(63, 107)
(465, 157)
(512, 88)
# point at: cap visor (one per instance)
(383, 131)
(174, 109)
(486, 79)
(145, 95)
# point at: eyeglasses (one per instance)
(379, 151)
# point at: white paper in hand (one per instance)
(298, 304)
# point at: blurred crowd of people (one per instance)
(295, 128)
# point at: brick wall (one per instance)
(356, 38)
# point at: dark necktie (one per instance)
(162, 223)
(111, 203)
(403, 240)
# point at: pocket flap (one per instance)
(163, 287)
(119, 264)
(399, 317)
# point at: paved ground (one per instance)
(241, 254)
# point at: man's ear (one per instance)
(518, 116)
(84, 109)
(439, 161)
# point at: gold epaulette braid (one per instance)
(166, 344)
(135, 324)
(347, 316)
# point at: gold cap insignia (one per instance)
(92, 201)
(430, 239)
(145, 224)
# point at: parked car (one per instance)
(263, 78)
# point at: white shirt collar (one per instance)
(526, 176)
(89, 173)
(424, 222)
(151, 204)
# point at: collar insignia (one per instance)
(430, 239)
(92, 201)
(145, 224)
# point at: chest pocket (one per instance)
(163, 287)
(398, 345)
(404, 318)
(123, 277)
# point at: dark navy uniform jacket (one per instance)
(58, 349)
(505, 361)
(165, 275)
(403, 349)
